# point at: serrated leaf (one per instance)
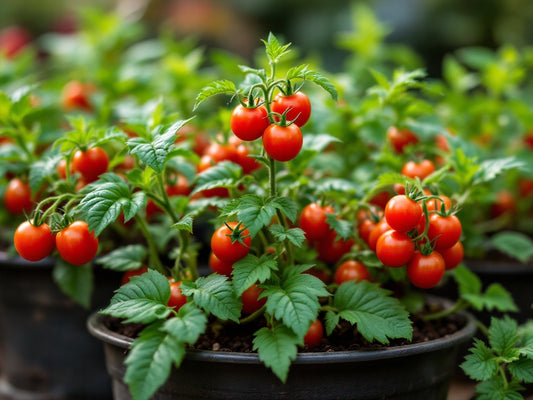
(522, 370)
(503, 335)
(250, 269)
(295, 300)
(490, 169)
(277, 348)
(467, 281)
(75, 281)
(343, 228)
(224, 174)
(142, 300)
(42, 169)
(514, 244)
(215, 294)
(185, 223)
(294, 235)
(125, 258)
(498, 389)
(317, 143)
(287, 206)
(378, 315)
(496, 297)
(331, 321)
(216, 87)
(255, 212)
(103, 204)
(150, 360)
(480, 364)
(187, 325)
(274, 49)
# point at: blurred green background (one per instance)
(431, 27)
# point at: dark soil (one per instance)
(238, 338)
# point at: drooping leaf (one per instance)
(490, 169)
(126, 258)
(224, 174)
(250, 270)
(481, 364)
(217, 87)
(185, 223)
(42, 169)
(294, 235)
(187, 325)
(514, 244)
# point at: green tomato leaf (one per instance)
(142, 300)
(468, 283)
(42, 169)
(224, 174)
(187, 325)
(277, 348)
(294, 235)
(503, 335)
(378, 315)
(274, 49)
(343, 228)
(481, 364)
(127, 258)
(75, 281)
(185, 223)
(498, 389)
(522, 370)
(490, 169)
(250, 270)
(295, 299)
(303, 72)
(216, 87)
(287, 206)
(150, 360)
(514, 244)
(215, 295)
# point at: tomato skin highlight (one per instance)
(282, 143)
(250, 301)
(444, 231)
(331, 249)
(224, 249)
(17, 197)
(402, 213)
(34, 243)
(75, 244)
(395, 249)
(420, 169)
(219, 266)
(351, 270)
(249, 123)
(298, 105)
(177, 298)
(452, 255)
(91, 163)
(425, 271)
(400, 138)
(313, 221)
(75, 95)
(381, 227)
(314, 334)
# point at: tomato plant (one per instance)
(402, 213)
(314, 335)
(313, 221)
(76, 244)
(231, 242)
(426, 271)
(249, 123)
(91, 163)
(282, 143)
(297, 107)
(34, 243)
(18, 197)
(177, 298)
(350, 270)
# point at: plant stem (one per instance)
(459, 305)
(152, 248)
(253, 316)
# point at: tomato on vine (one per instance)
(402, 213)
(313, 221)
(91, 163)
(350, 270)
(395, 249)
(76, 244)
(75, 95)
(425, 271)
(250, 299)
(297, 106)
(177, 298)
(452, 255)
(17, 197)
(282, 143)
(249, 123)
(399, 138)
(421, 170)
(381, 227)
(219, 266)
(314, 334)
(444, 231)
(231, 242)
(33, 243)
(331, 248)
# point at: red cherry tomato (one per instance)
(224, 245)
(219, 266)
(420, 169)
(453, 255)
(250, 301)
(221, 152)
(324, 274)
(180, 187)
(135, 272)
(75, 244)
(400, 138)
(436, 204)
(425, 271)
(282, 143)
(395, 249)
(365, 228)
(380, 228)
(313, 221)
(34, 243)
(402, 213)
(298, 105)
(314, 334)
(17, 197)
(351, 270)
(91, 163)
(331, 249)
(249, 123)
(177, 298)
(13, 39)
(444, 231)
(75, 95)
(505, 204)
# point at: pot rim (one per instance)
(97, 328)
(499, 267)
(8, 260)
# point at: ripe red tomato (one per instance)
(313, 221)
(505, 203)
(282, 143)
(250, 301)
(395, 249)
(425, 271)
(225, 246)
(34, 243)
(528, 139)
(221, 152)
(331, 249)
(365, 228)
(420, 169)
(402, 213)
(13, 39)
(17, 197)
(75, 244)
(351, 270)
(444, 231)
(436, 204)
(75, 95)
(177, 299)
(324, 274)
(91, 163)
(219, 266)
(400, 138)
(135, 272)
(298, 105)
(314, 335)
(453, 255)
(247, 163)
(381, 227)
(249, 123)
(380, 199)
(180, 187)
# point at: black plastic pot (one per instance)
(416, 371)
(47, 353)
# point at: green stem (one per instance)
(459, 305)
(253, 316)
(152, 248)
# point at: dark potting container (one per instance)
(47, 353)
(416, 371)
